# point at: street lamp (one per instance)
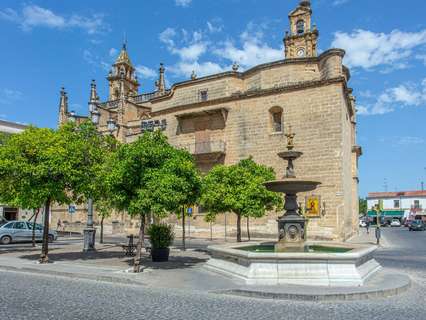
(95, 115)
(71, 116)
(151, 125)
(111, 125)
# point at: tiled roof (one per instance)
(397, 194)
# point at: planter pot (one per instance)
(160, 255)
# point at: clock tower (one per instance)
(301, 41)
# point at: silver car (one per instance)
(22, 231)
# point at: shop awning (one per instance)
(387, 213)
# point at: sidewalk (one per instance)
(184, 271)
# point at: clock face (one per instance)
(301, 52)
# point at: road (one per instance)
(25, 296)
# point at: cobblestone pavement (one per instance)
(27, 296)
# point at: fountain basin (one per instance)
(291, 185)
(350, 267)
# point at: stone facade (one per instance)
(227, 117)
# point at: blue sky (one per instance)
(49, 44)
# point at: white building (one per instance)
(398, 204)
(7, 212)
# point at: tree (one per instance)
(239, 189)
(39, 167)
(149, 176)
(103, 209)
(363, 206)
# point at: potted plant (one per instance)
(161, 237)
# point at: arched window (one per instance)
(300, 25)
(276, 115)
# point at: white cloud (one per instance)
(250, 54)
(215, 26)
(368, 50)
(183, 3)
(113, 52)
(201, 69)
(253, 51)
(339, 2)
(8, 96)
(145, 72)
(34, 16)
(404, 95)
(167, 37)
(410, 140)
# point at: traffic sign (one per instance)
(189, 211)
(71, 209)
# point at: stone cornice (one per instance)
(245, 74)
(254, 94)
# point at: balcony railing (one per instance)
(110, 104)
(147, 96)
(206, 147)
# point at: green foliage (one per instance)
(363, 206)
(160, 235)
(151, 176)
(44, 164)
(239, 188)
(4, 137)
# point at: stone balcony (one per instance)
(206, 150)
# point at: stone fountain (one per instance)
(294, 259)
(291, 226)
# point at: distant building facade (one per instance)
(7, 212)
(230, 116)
(399, 204)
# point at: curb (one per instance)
(75, 276)
(349, 296)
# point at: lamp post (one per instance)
(378, 231)
(90, 231)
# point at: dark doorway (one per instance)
(10, 213)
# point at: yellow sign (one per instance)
(313, 207)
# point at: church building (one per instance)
(230, 116)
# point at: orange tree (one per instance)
(239, 189)
(39, 167)
(149, 176)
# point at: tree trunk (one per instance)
(183, 229)
(34, 226)
(238, 227)
(102, 230)
(248, 228)
(137, 261)
(45, 247)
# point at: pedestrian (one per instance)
(59, 225)
(367, 225)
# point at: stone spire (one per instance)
(93, 97)
(122, 65)
(63, 107)
(161, 83)
(305, 3)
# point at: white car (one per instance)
(362, 223)
(395, 223)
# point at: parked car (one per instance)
(3, 221)
(22, 231)
(395, 223)
(417, 225)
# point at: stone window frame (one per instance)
(396, 204)
(275, 127)
(203, 95)
(300, 26)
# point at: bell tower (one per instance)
(122, 69)
(301, 41)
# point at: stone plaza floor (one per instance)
(63, 290)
